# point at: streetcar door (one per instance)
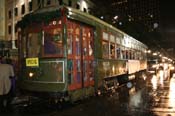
(80, 43)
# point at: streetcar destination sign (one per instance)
(32, 62)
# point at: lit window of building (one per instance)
(23, 9)
(10, 14)
(48, 2)
(9, 29)
(30, 6)
(16, 11)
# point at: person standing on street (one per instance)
(6, 72)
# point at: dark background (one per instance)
(162, 39)
(167, 23)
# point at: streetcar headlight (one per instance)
(31, 74)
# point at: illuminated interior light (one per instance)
(54, 22)
(59, 22)
(113, 69)
(99, 92)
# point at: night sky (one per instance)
(167, 14)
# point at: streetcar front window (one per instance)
(34, 44)
(53, 42)
(112, 50)
(23, 46)
(105, 49)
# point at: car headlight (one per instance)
(172, 68)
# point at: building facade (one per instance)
(16, 9)
(2, 27)
(2, 20)
(146, 11)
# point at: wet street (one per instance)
(154, 96)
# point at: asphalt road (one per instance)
(154, 96)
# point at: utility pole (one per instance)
(13, 25)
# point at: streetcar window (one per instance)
(70, 71)
(90, 44)
(135, 55)
(78, 66)
(85, 41)
(105, 45)
(118, 52)
(131, 54)
(23, 45)
(34, 44)
(53, 42)
(85, 72)
(84, 46)
(112, 46)
(59, 70)
(77, 40)
(127, 54)
(90, 48)
(69, 43)
(91, 70)
(78, 71)
(70, 29)
(112, 50)
(123, 53)
(105, 49)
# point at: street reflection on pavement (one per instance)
(172, 93)
(154, 82)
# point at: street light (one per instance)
(102, 17)
(149, 51)
(155, 54)
(120, 23)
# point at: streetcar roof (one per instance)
(81, 16)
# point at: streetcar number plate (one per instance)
(32, 62)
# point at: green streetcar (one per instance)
(68, 54)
